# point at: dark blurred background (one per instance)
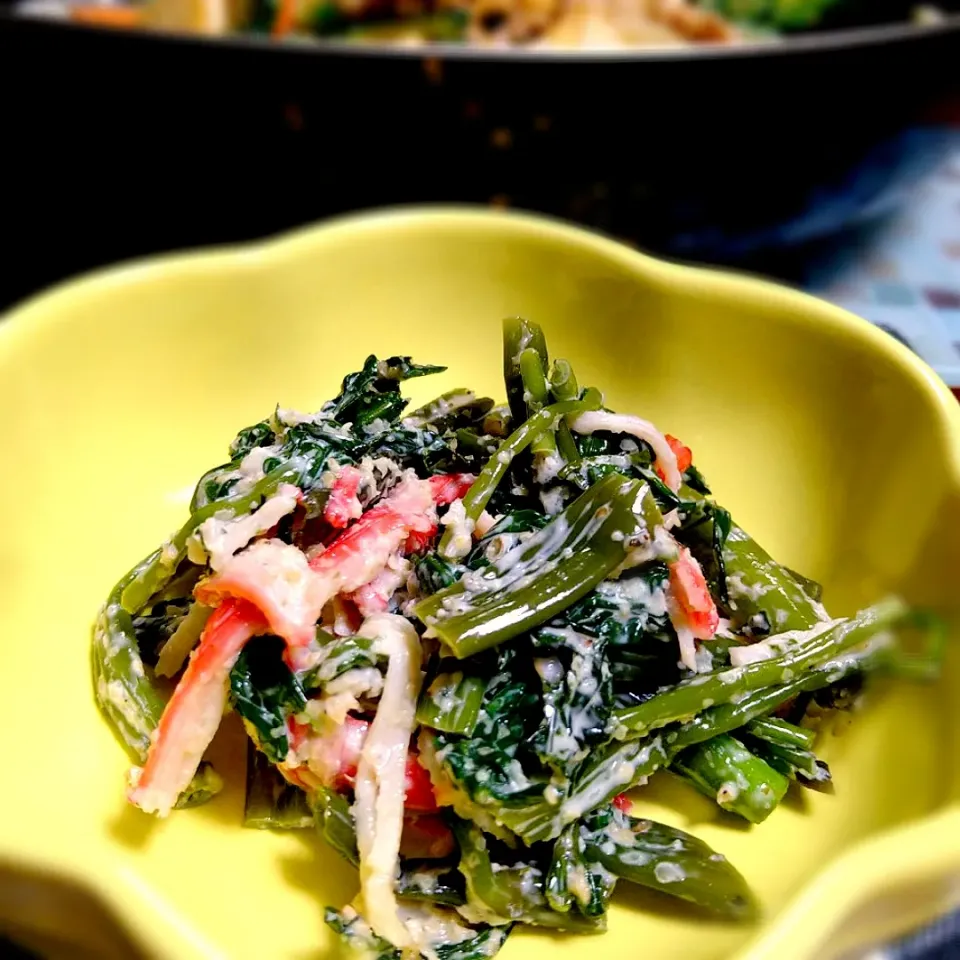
(122, 144)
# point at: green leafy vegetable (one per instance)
(774, 14)
(340, 654)
(451, 410)
(575, 880)
(271, 803)
(265, 693)
(476, 500)
(511, 891)
(795, 656)
(434, 572)
(373, 393)
(357, 937)
(249, 438)
(542, 576)
(153, 630)
(666, 859)
(489, 765)
(204, 786)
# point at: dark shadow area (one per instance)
(132, 827)
(35, 902)
(220, 142)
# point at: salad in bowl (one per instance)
(461, 638)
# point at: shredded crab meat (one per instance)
(222, 538)
(380, 786)
(192, 716)
(292, 591)
(374, 597)
(666, 459)
(692, 608)
(275, 577)
(343, 504)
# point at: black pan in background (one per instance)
(120, 144)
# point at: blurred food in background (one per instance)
(571, 24)
(166, 137)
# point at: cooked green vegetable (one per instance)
(763, 592)
(271, 802)
(774, 14)
(489, 763)
(577, 695)
(357, 936)
(787, 748)
(333, 819)
(794, 657)
(416, 881)
(154, 629)
(340, 654)
(124, 692)
(373, 393)
(127, 697)
(563, 386)
(542, 576)
(780, 733)
(476, 500)
(723, 769)
(158, 569)
(457, 715)
(503, 893)
(520, 335)
(536, 394)
(449, 410)
(265, 693)
(204, 786)
(451, 702)
(575, 880)
(666, 859)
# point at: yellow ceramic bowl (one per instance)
(836, 447)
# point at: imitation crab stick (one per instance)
(193, 714)
(696, 608)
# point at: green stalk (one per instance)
(127, 697)
(759, 587)
(723, 769)
(793, 762)
(666, 859)
(620, 765)
(496, 467)
(444, 411)
(536, 397)
(796, 656)
(564, 386)
(536, 579)
(341, 654)
(451, 703)
(125, 694)
(511, 893)
(520, 335)
(780, 733)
